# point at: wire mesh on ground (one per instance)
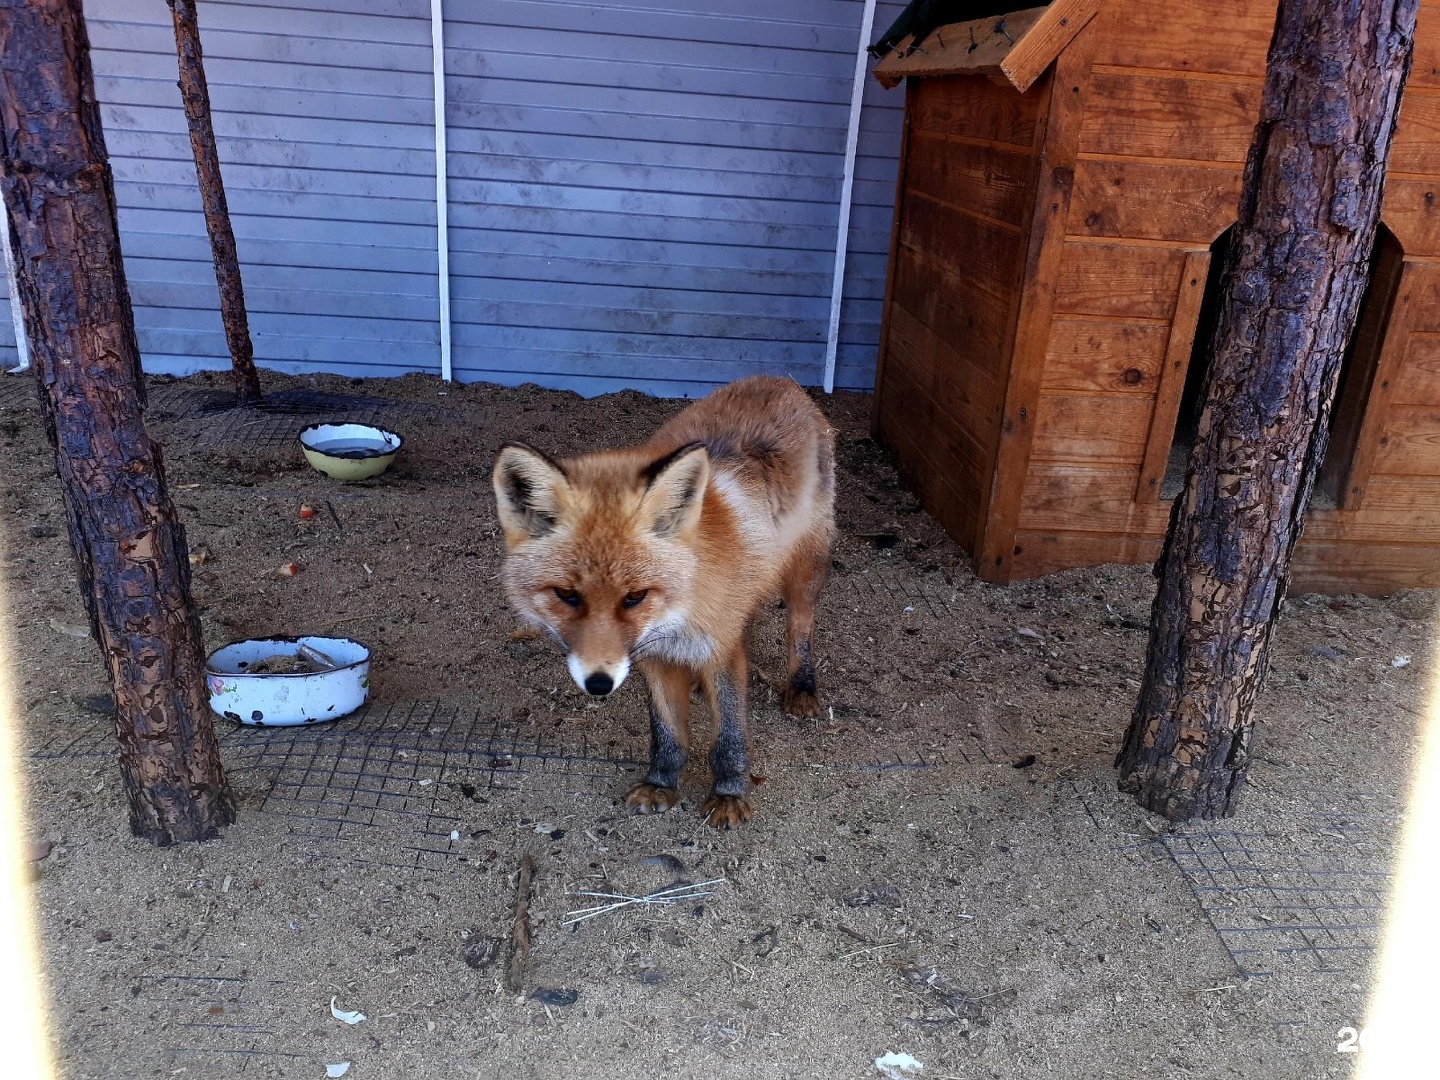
(211, 419)
(385, 787)
(1307, 898)
(910, 593)
(401, 771)
(1276, 902)
(18, 390)
(225, 1015)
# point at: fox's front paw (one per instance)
(801, 702)
(651, 799)
(726, 811)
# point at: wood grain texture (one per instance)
(1092, 427)
(1376, 569)
(974, 109)
(954, 449)
(1411, 213)
(1175, 117)
(971, 48)
(1409, 443)
(1038, 48)
(1127, 281)
(1182, 203)
(1379, 569)
(1117, 356)
(941, 396)
(1178, 351)
(1417, 136)
(1370, 440)
(987, 252)
(1089, 498)
(1425, 70)
(933, 309)
(905, 410)
(959, 393)
(1402, 524)
(959, 308)
(1066, 89)
(1223, 36)
(925, 458)
(987, 179)
(1418, 493)
(1118, 301)
(1062, 498)
(1418, 380)
(1422, 286)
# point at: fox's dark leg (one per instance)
(804, 578)
(727, 805)
(669, 737)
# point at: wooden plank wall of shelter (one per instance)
(1173, 98)
(970, 151)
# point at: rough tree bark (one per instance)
(129, 548)
(195, 93)
(1289, 298)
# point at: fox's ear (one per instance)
(675, 490)
(528, 486)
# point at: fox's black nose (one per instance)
(599, 684)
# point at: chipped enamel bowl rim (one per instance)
(360, 463)
(287, 699)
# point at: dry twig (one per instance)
(520, 930)
(674, 894)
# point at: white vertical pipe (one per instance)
(847, 188)
(17, 313)
(442, 198)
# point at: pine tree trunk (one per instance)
(1289, 298)
(129, 548)
(195, 94)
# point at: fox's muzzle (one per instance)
(599, 680)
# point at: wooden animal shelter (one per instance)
(1067, 185)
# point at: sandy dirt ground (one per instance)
(940, 865)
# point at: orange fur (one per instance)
(658, 557)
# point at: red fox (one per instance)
(658, 556)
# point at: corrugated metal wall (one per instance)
(647, 194)
(641, 194)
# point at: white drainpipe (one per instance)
(17, 314)
(442, 199)
(847, 187)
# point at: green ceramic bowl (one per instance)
(349, 451)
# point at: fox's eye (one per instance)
(568, 596)
(631, 599)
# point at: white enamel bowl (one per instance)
(349, 451)
(267, 699)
